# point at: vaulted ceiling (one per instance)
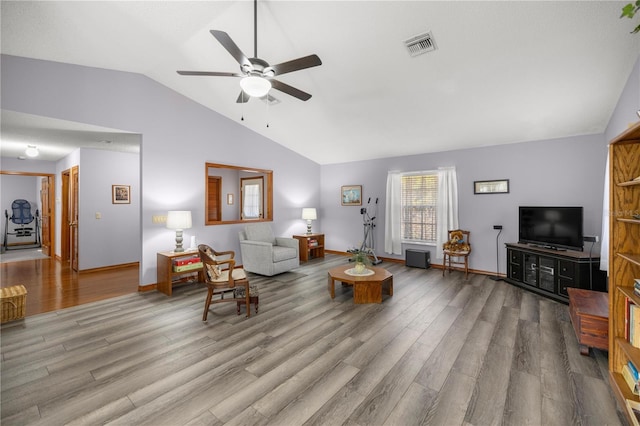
(502, 72)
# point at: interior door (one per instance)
(251, 201)
(45, 217)
(73, 213)
(213, 207)
(65, 220)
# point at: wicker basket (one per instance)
(13, 300)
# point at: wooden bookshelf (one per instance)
(624, 257)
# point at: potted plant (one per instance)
(361, 260)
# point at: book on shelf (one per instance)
(634, 325)
(634, 370)
(187, 260)
(631, 382)
(627, 304)
(188, 267)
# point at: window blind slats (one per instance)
(418, 196)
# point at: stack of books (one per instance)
(636, 286)
(190, 263)
(630, 374)
(313, 243)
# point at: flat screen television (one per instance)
(552, 227)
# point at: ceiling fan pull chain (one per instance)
(267, 110)
(242, 106)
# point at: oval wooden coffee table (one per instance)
(366, 288)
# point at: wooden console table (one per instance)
(164, 270)
(590, 318)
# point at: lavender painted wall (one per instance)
(561, 172)
(29, 166)
(178, 136)
(114, 238)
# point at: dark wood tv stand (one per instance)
(550, 272)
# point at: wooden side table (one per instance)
(165, 273)
(306, 251)
(590, 318)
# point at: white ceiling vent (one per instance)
(423, 43)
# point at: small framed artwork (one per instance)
(120, 194)
(351, 195)
(229, 199)
(491, 186)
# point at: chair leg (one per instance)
(444, 264)
(207, 303)
(466, 267)
(248, 299)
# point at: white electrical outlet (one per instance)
(98, 215)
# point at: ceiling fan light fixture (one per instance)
(256, 87)
(31, 151)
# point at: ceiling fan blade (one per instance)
(297, 64)
(210, 73)
(243, 98)
(231, 47)
(289, 90)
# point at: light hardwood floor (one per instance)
(52, 284)
(441, 351)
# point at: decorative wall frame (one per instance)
(351, 195)
(500, 186)
(121, 194)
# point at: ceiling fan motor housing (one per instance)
(258, 67)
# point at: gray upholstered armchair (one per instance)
(265, 254)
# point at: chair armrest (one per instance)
(255, 250)
(230, 253)
(287, 242)
(261, 244)
(230, 262)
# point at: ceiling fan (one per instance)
(257, 75)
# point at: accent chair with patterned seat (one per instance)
(222, 278)
(457, 251)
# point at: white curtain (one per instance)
(251, 202)
(447, 207)
(604, 241)
(393, 210)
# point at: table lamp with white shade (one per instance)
(309, 214)
(179, 220)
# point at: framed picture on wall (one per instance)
(121, 194)
(491, 186)
(351, 195)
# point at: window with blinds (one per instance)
(419, 197)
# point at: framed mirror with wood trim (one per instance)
(251, 187)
